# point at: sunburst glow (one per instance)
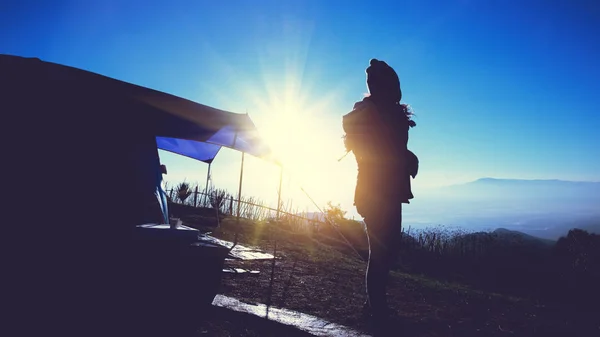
(296, 137)
(305, 136)
(298, 114)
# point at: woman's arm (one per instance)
(360, 127)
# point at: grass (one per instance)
(317, 276)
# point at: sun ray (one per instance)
(294, 113)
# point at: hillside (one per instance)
(320, 279)
(516, 236)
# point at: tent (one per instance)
(81, 172)
(105, 120)
(163, 114)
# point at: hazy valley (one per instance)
(543, 208)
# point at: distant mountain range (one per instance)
(542, 208)
(491, 188)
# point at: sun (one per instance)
(297, 110)
(301, 133)
(306, 138)
(301, 123)
(295, 136)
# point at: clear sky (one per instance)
(507, 89)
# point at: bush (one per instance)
(577, 267)
(509, 262)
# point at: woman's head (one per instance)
(383, 82)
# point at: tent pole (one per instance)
(279, 192)
(207, 182)
(240, 188)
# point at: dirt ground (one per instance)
(327, 281)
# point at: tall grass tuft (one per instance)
(183, 191)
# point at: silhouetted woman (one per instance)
(377, 133)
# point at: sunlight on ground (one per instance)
(311, 324)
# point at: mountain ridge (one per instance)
(513, 180)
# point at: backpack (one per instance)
(354, 123)
(412, 161)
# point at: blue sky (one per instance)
(505, 89)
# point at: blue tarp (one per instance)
(246, 141)
(201, 151)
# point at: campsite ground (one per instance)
(327, 280)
